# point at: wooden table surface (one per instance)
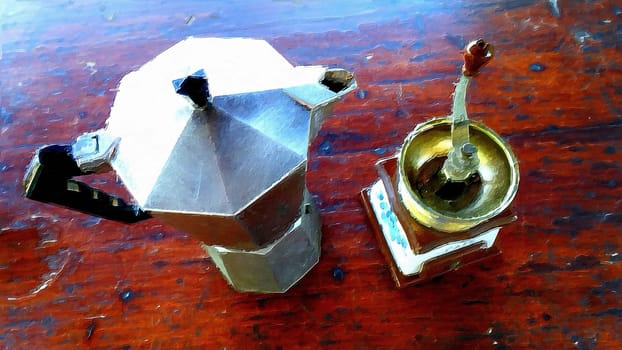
(554, 92)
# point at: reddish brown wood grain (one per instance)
(553, 91)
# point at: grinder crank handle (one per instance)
(49, 179)
(476, 55)
(462, 160)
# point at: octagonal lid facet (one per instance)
(175, 157)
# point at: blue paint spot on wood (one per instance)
(380, 151)
(551, 128)
(57, 71)
(608, 287)
(421, 58)
(539, 176)
(401, 113)
(56, 261)
(576, 148)
(315, 164)
(338, 274)
(90, 221)
(6, 116)
(609, 312)
(325, 148)
(160, 264)
(417, 45)
(597, 166)
(583, 262)
(457, 41)
(609, 150)
(48, 321)
(126, 295)
(547, 160)
(392, 45)
(612, 183)
(4, 167)
(558, 111)
(157, 236)
(537, 67)
(615, 257)
(71, 288)
(594, 70)
(590, 49)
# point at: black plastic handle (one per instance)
(49, 179)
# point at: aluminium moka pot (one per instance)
(210, 137)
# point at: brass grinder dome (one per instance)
(461, 208)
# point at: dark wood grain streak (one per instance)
(554, 91)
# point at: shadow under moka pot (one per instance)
(440, 202)
(211, 137)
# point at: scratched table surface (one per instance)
(554, 92)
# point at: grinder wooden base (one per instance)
(435, 252)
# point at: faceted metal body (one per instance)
(278, 265)
(232, 175)
(211, 137)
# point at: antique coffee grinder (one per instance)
(440, 202)
(210, 137)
